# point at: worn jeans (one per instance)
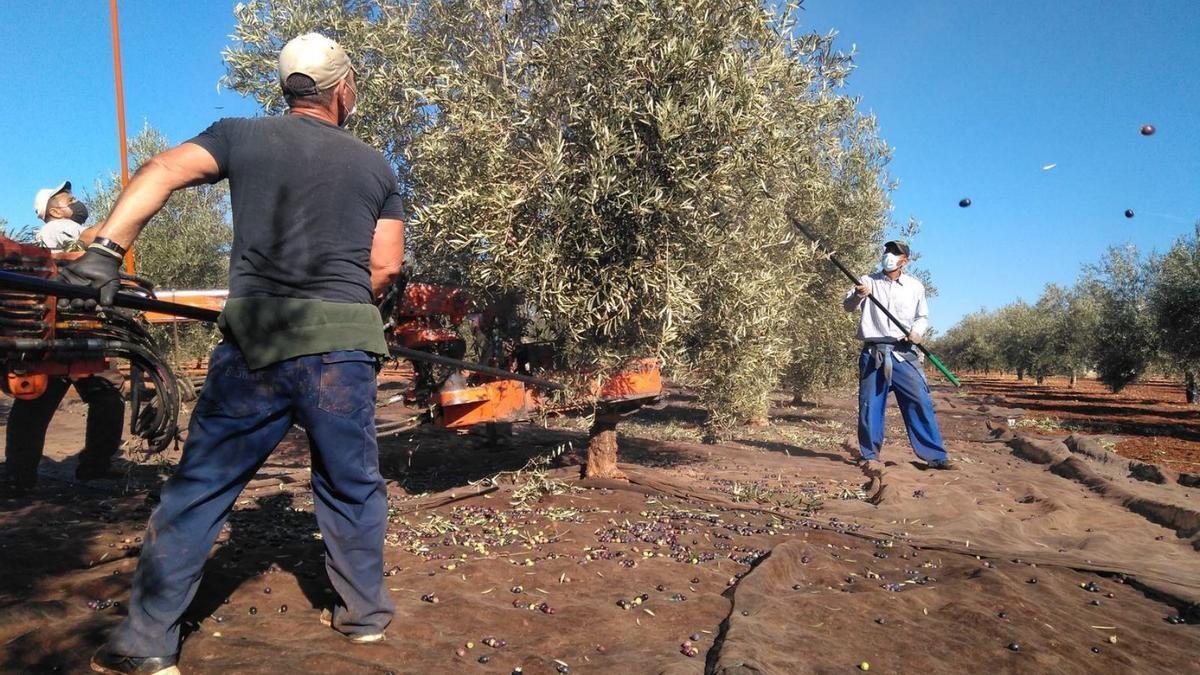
(240, 417)
(912, 395)
(28, 420)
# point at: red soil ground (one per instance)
(1152, 419)
(1009, 565)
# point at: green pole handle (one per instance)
(934, 360)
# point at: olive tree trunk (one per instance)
(602, 449)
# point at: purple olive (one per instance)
(1147, 129)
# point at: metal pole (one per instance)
(892, 317)
(20, 282)
(123, 142)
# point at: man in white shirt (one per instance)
(29, 418)
(889, 361)
(64, 216)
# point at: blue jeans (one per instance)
(240, 417)
(916, 407)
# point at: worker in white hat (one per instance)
(25, 435)
(63, 215)
(318, 237)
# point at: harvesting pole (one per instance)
(891, 317)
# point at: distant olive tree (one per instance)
(1062, 332)
(1017, 334)
(1173, 297)
(1125, 340)
(972, 344)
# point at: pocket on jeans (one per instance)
(231, 389)
(347, 382)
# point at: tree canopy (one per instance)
(626, 169)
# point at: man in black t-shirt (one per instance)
(318, 236)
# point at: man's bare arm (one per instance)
(387, 254)
(89, 235)
(149, 189)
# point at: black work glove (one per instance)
(99, 268)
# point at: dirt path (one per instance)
(756, 555)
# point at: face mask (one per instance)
(891, 262)
(349, 114)
(79, 212)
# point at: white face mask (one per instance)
(891, 262)
(353, 108)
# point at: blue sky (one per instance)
(975, 97)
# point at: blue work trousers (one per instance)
(240, 417)
(912, 395)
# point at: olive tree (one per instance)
(972, 344)
(1062, 334)
(1125, 344)
(1017, 336)
(1173, 297)
(627, 169)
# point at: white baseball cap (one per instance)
(316, 56)
(43, 197)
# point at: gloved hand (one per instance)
(99, 268)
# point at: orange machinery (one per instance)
(433, 318)
(429, 318)
(38, 340)
(42, 338)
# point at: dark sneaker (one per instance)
(361, 638)
(943, 465)
(104, 661)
